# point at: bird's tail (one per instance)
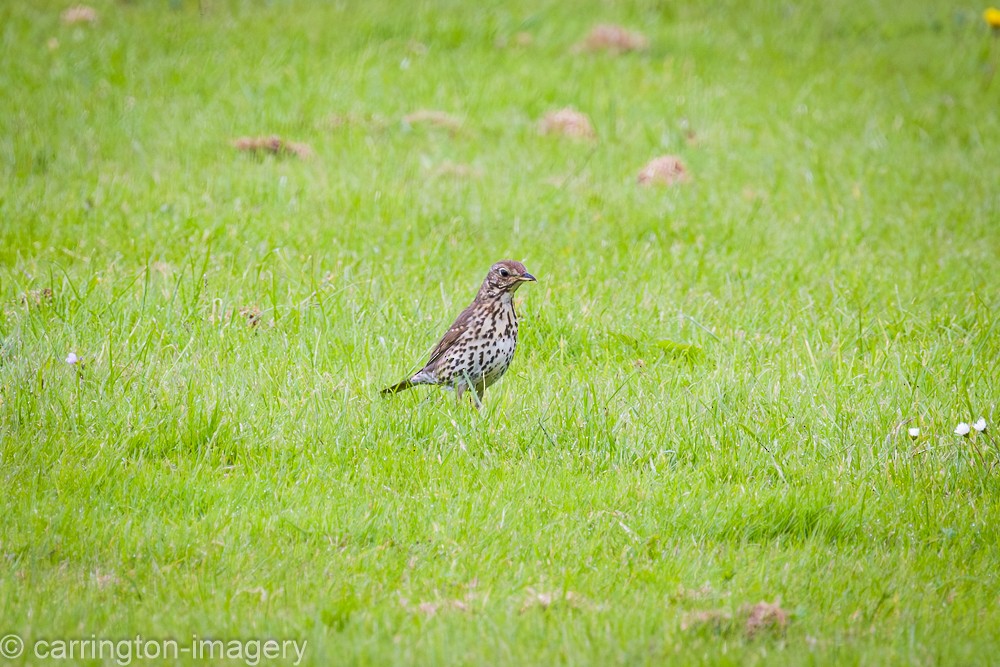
(396, 388)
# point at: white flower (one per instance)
(962, 429)
(72, 359)
(914, 432)
(980, 425)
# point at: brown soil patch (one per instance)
(567, 122)
(665, 170)
(609, 38)
(273, 145)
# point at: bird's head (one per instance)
(504, 278)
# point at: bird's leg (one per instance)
(479, 390)
(473, 389)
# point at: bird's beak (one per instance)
(527, 277)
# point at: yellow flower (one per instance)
(992, 17)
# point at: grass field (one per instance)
(710, 401)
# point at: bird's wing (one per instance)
(455, 331)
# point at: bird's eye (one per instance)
(505, 273)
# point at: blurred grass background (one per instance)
(709, 404)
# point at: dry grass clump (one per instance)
(103, 579)
(567, 122)
(273, 145)
(546, 600)
(464, 603)
(763, 617)
(609, 38)
(751, 620)
(713, 619)
(79, 14)
(251, 314)
(37, 297)
(433, 118)
(339, 120)
(664, 170)
(433, 607)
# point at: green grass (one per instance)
(709, 404)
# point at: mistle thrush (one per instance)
(477, 349)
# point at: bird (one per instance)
(479, 346)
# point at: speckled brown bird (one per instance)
(479, 346)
